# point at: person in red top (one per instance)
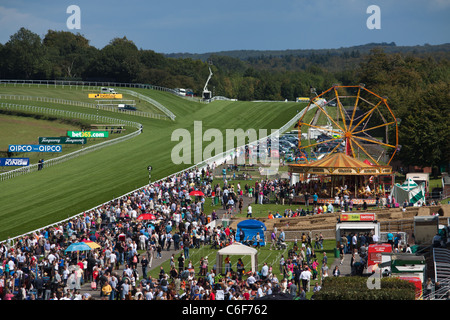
(246, 295)
(95, 274)
(227, 231)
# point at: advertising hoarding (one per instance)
(88, 134)
(62, 140)
(14, 162)
(34, 148)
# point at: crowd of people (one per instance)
(37, 265)
(293, 279)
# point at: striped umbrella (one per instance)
(92, 244)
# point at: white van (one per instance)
(420, 177)
(181, 91)
(108, 90)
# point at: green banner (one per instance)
(88, 134)
(62, 140)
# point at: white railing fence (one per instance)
(84, 105)
(94, 85)
(166, 111)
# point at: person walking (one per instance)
(341, 253)
(315, 199)
(305, 277)
(273, 238)
(249, 211)
(324, 270)
(144, 265)
(336, 271)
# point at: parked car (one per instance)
(124, 107)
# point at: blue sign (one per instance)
(5, 162)
(34, 148)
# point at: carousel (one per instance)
(348, 135)
(340, 175)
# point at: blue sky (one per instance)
(199, 26)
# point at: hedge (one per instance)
(355, 288)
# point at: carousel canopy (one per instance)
(339, 164)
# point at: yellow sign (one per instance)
(105, 95)
(358, 217)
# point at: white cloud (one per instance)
(11, 20)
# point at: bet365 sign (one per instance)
(88, 134)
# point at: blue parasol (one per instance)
(78, 246)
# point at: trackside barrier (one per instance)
(85, 85)
(166, 111)
(67, 114)
(218, 160)
(84, 105)
(93, 85)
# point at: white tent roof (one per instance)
(409, 184)
(238, 248)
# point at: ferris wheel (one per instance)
(348, 119)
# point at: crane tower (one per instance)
(206, 93)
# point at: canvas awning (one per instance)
(237, 249)
(340, 164)
(410, 192)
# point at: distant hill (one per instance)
(362, 49)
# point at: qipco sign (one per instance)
(34, 148)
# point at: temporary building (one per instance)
(251, 227)
(237, 249)
(410, 191)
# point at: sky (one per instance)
(200, 26)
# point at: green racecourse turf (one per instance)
(22, 130)
(26, 130)
(34, 200)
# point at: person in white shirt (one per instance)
(264, 271)
(251, 280)
(143, 241)
(375, 238)
(113, 259)
(51, 257)
(259, 292)
(305, 276)
(354, 242)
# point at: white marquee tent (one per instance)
(237, 249)
(410, 191)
